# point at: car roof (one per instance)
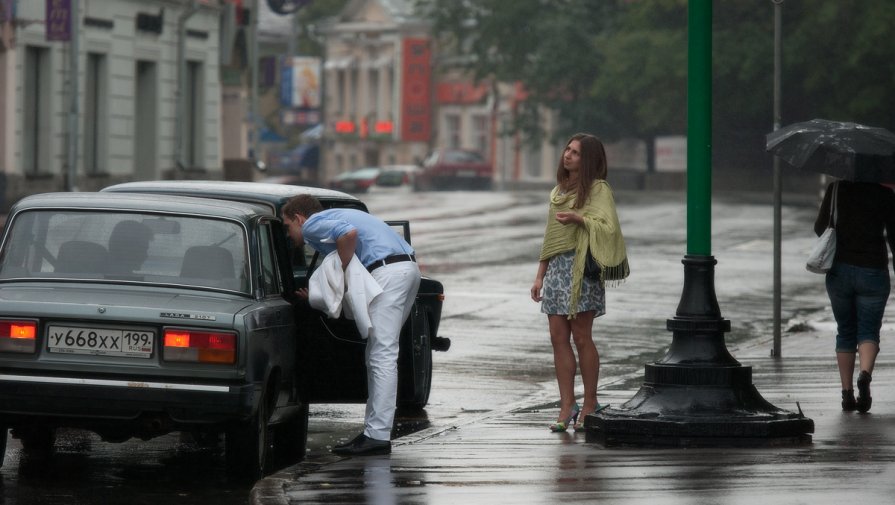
(143, 203)
(274, 196)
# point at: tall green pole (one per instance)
(698, 394)
(699, 129)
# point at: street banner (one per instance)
(59, 20)
(300, 82)
(416, 92)
(7, 12)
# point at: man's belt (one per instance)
(396, 258)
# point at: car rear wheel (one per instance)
(416, 372)
(291, 438)
(247, 445)
(38, 442)
(3, 436)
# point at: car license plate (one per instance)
(100, 341)
(466, 173)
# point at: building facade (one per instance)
(142, 100)
(390, 99)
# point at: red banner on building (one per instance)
(416, 99)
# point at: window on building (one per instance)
(145, 120)
(452, 131)
(351, 107)
(193, 120)
(533, 161)
(480, 133)
(35, 110)
(339, 106)
(95, 113)
(373, 102)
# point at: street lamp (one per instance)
(698, 394)
(778, 198)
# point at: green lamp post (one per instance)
(698, 394)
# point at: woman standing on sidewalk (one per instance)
(581, 218)
(858, 282)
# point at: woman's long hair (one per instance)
(593, 166)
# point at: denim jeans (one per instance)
(858, 296)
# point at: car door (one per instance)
(272, 325)
(331, 351)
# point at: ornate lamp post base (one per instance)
(698, 394)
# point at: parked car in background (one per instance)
(355, 181)
(454, 169)
(395, 178)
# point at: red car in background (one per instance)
(454, 169)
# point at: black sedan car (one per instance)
(135, 315)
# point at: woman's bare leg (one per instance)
(588, 358)
(563, 362)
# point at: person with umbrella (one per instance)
(858, 282)
(863, 218)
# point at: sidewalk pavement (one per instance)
(511, 457)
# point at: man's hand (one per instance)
(302, 293)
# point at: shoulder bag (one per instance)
(821, 258)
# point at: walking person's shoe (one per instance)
(864, 399)
(848, 400)
(363, 445)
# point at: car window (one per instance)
(431, 159)
(462, 157)
(270, 279)
(126, 246)
(391, 178)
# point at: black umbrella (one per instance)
(848, 151)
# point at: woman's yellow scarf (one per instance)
(601, 233)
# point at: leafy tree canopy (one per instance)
(619, 67)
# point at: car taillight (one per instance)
(18, 336)
(200, 346)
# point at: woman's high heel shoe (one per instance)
(597, 409)
(563, 425)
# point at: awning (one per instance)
(339, 63)
(381, 62)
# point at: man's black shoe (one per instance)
(350, 442)
(363, 445)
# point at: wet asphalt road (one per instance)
(483, 247)
(503, 452)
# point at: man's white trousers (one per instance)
(400, 283)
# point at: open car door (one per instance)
(331, 352)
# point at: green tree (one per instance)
(839, 61)
(618, 67)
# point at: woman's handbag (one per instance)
(821, 258)
(591, 267)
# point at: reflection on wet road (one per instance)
(483, 247)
